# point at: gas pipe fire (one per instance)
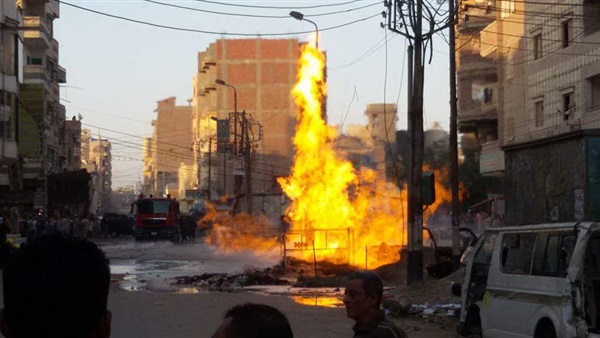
(337, 212)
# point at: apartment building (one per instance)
(10, 180)
(548, 103)
(382, 119)
(477, 89)
(258, 76)
(72, 144)
(170, 147)
(41, 116)
(96, 158)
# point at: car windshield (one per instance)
(153, 206)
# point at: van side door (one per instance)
(475, 283)
(507, 307)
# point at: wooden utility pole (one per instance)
(247, 162)
(454, 142)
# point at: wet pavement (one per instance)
(154, 266)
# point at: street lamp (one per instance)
(223, 83)
(299, 16)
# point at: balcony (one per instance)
(475, 65)
(61, 74)
(36, 74)
(489, 39)
(481, 110)
(52, 52)
(475, 15)
(37, 34)
(52, 7)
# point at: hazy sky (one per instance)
(117, 70)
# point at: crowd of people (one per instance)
(58, 285)
(35, 226)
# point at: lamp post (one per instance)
(300, 17)
(235, 135)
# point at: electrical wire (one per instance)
(191, 30)
(287, 17)
(278, 7)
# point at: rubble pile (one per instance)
(228, 282)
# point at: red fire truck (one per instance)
(156, 218)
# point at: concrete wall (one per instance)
(263, 71)
(542, 181)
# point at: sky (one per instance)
(117, 69)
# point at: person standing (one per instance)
(362, 298)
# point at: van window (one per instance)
(555, 255)
(517, 253)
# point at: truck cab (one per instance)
(156, 218)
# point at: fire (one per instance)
(338, 213)
(237, 233)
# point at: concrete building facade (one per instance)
(382, 120)
(96, 158)
(263, 73)
(10, 65)
(170, 147)
(548, 69)
(41, 116)
(72, 142)
(477, 79)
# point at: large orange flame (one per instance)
(337, 212)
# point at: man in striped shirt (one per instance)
(362, 299)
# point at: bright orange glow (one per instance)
(237, 233)
(337, 213)
(319, 301)
(347, 215)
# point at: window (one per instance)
(539, 113)
(557, 254)
(594, 83)
(591, 24)
(566, 34)
(508, 7)
(35, 61)
(517, 253)
(537, 46)
(568, 105)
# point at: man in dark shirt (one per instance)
(362, 298)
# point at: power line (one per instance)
(258, 15)
(365, 55)
(279, 7)
(191, 30)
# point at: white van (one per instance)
(533, 281)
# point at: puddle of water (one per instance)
(324, 301)
(190, 291)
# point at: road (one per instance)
(145, 304)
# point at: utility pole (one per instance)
(415, 198)
(402, 15)
(224, 172)
(247, 162)
(209, 164)
(454, 141)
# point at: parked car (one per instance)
(532, 281)
(115, 225)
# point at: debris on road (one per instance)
(227, 282)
